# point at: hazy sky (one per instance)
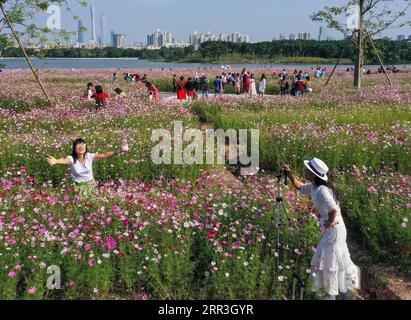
(261, 19)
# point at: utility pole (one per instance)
(358, 62)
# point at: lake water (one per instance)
(133, 64)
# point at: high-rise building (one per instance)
(160, 39)
(103, 31)
(320, 34)
(80, 33)
(112, 33)
(292, 36)
(119, 40)
(306, 36)
(282, 36)
(401, 37)
(93, 24)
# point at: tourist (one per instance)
(237, 80)
(114, 77)
(204, 86)
(101, 98)
(284, 86)
(197, 85)
(190, 90)
(81, 165)
(223, 82)
(90, 91)
(128, 77)
(308, 86)
(333, 271)
(175, 83)
(218, 85)
(253, 89)
(181, 90)
(262, 85)
(120, 93)
(299, 86)
(246, 83)
(152, 92)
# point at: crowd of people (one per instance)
(189, 89)
(101, 97)
(296, 84)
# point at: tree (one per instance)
(5, 42)
(21, 13)
(375, 17)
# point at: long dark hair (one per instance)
(99, 89)
(73, 152)
(320, 182)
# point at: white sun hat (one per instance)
(318, 167)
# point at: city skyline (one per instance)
(143, 16)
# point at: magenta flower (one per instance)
(372, 190)
(12, 274)
(32, 290)
(111, 243)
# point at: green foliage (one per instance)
(225, 52)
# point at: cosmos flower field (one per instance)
(193, 231)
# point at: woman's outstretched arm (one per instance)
(297, 183)
(52, 161)
(107, 155)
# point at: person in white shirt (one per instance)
(332, 268)
(81, 165)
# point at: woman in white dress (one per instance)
(253, 89)
(262, 85)
(332, 268)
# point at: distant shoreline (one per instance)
(47, 58)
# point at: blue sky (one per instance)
(261, 19)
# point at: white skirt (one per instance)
(332, 267)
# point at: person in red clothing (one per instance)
(190, 89)
(101, 97)
(299, 86)
(181, 89)
(152, 92)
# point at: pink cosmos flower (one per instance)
(111, 243)
(372, 190)
(32, 290)
(12, 274)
